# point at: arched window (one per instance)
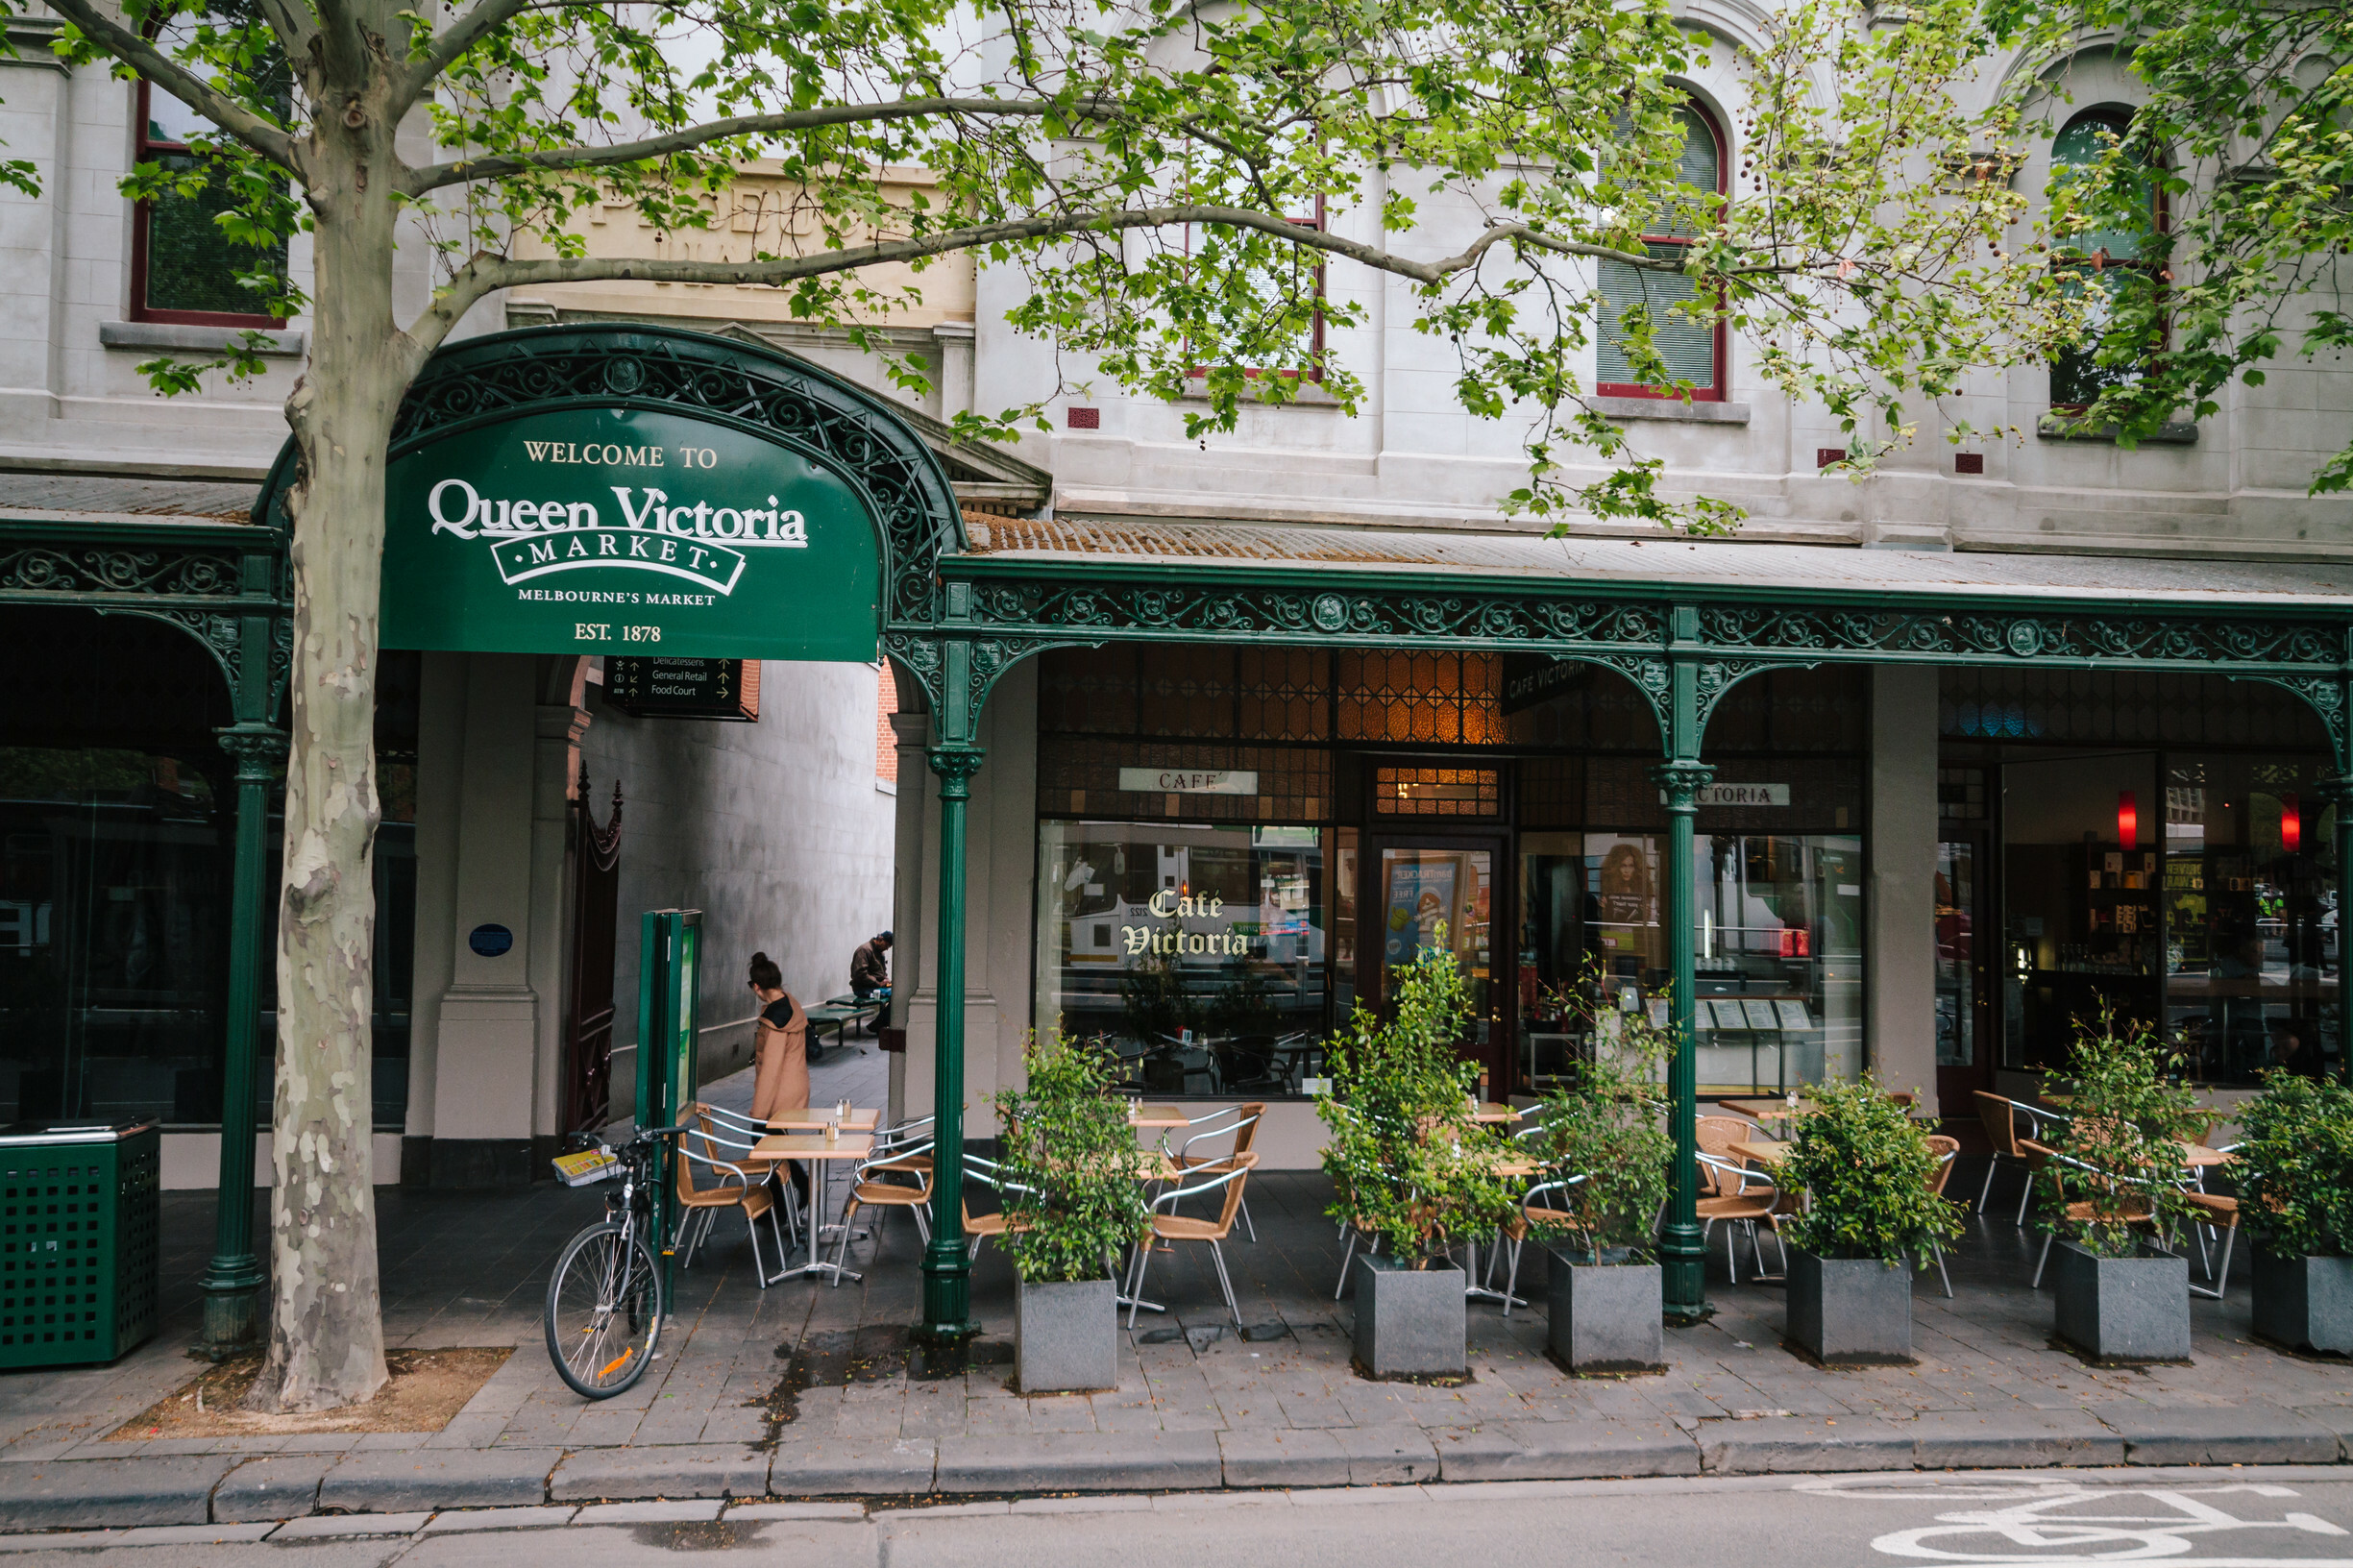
(1693, 348)
(2105, 259)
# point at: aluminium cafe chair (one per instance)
(2123, 1206)
(870, 1187)
(1534, 1215)
(2000, 1116)
(980, 1228)
(1943, 1148)
(1243, 1130)
(1741, 1198)
(708, 1182)
(1171, 1226)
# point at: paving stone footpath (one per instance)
(812, 1391)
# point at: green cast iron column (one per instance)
(1681, 1248)
(948, 1278)
(232, 1282)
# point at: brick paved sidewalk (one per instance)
(808, 1389)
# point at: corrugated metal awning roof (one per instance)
(1669, 564)
(105, 497)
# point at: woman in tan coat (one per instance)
(781, 1048)
(780, 1052)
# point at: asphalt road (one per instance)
(2183, 1518)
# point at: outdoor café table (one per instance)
(813, 1147)
(1488, 1110)
(1769, 1110)
(1160, 1116)
(794, 1118)
(1765, 1151)
(1474, 1290)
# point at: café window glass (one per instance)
(2252, 951)
(1779, 935)
(1194, 953)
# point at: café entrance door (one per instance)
(1425, 890)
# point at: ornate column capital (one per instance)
(2337, 792)
(1683, 779)
(257, 749)
(955, 765)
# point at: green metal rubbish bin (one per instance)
(80, 1234)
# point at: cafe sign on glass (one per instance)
(617, 529)
(1189, 781)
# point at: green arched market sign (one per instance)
(621, 489)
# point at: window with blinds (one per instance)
(1691, 347)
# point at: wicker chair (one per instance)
(1943, 1148)
(1999, 1117)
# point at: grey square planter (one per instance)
(2121, 1309)
(2305, 1303)
(1065, 1337)
(1851, 1312)
(1410, 1322)
(1606, 1317)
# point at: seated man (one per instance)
(869, 967)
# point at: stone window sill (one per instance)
(281, 343)
(1310, 396)
(1674, 410)
(2173, 432)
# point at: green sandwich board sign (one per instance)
(627, 531)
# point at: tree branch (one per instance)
(483, 18)
(500, 166)
(180, 83)
(484, 274)
(295, 31)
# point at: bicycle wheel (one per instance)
(604, 1310)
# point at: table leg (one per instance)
(1474, 1290)
(820, 1185)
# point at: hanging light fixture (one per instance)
(2291, 824)
(2127, 820)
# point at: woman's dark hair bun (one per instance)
(759, 958)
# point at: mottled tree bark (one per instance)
(325, 1333)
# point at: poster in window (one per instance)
(1420, 898)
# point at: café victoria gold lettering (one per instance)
(1169, 904)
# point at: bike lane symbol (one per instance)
(2068, 1522)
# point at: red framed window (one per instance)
(2102, 262)
(183, 268)
(1310, 262)
(1694, 350)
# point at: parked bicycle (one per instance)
(604, 1304)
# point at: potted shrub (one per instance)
(1606, 1142)
(1872, 1212)
(1412, 1174)
(2111, 1193)
(2295, 1194)
(1073, 1199)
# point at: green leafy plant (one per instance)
(2121, 1156)
(1407, 1162)
(1073, 1174)
(2295, 1166)
(1610, 1126)
(1868, 1175)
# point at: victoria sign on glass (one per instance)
(613, 529)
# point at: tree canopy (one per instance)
(1175, 181)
